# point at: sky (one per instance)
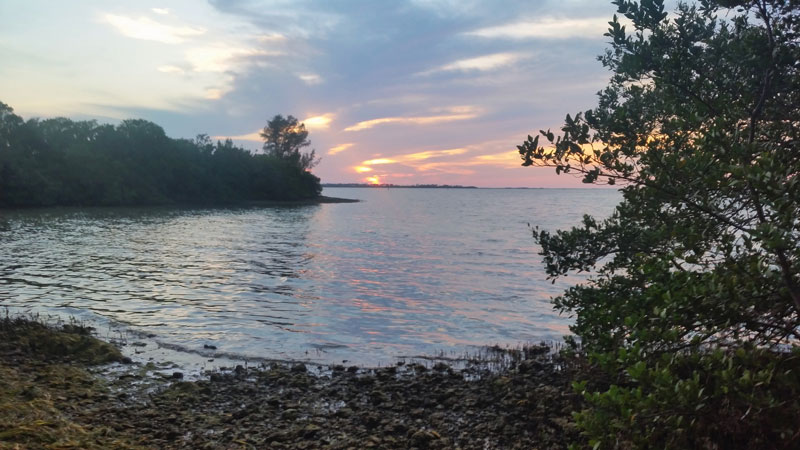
(402, 92)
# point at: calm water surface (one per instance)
(406, 272)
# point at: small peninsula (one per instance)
(62, 162)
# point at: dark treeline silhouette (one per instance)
(64, 162)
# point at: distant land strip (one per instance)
(405, 186)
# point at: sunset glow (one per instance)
(451, 112)
(318, 122)
(340, 148)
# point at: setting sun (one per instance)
(373, 180)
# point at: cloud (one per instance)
(447, 8)
(340, 148)
(220, 57)
(312, 123)
(214, 93)
(322, 122)
(547, 28)
(413, 157)
(255, 137)
(149, 30)
(373, 162)
(456, 113)
(310, 78)
(480, 63)
(506, 159)
(270, 37)
(170, 69)
(161, 11)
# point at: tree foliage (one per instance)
(63, 162)
(694, 311)
(284, 138)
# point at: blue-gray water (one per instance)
(405, 272)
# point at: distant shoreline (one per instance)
(448, 186)
(404, 186)
(254, 203)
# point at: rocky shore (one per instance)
(60, 388)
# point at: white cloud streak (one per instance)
(457, 113)
(170, 69)
(321, 122)
(220, 58)
(547, 28)
(148, 29)
(480, 63)
(310, 79)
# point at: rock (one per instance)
(177, 375)
(529, 365)
(244, 412)
(239, 369)
(210, 347)
(437, 417)
(441, 367)
(299, 368)
(126, 360)
(378, 397)
(215, 377)
(311, 430)
(372, 420)
(344, 412)
(422, 438)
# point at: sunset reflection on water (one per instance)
(405, 272)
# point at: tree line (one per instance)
(46, 162)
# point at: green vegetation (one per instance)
(68, 342)
(693, 315)
(46, 393)
(64, 162)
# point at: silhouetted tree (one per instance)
(698, 269)
(284, 138)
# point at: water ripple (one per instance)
(404, 272)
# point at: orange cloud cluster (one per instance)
(340, 148)
(446, 164)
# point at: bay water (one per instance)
(401, 274)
